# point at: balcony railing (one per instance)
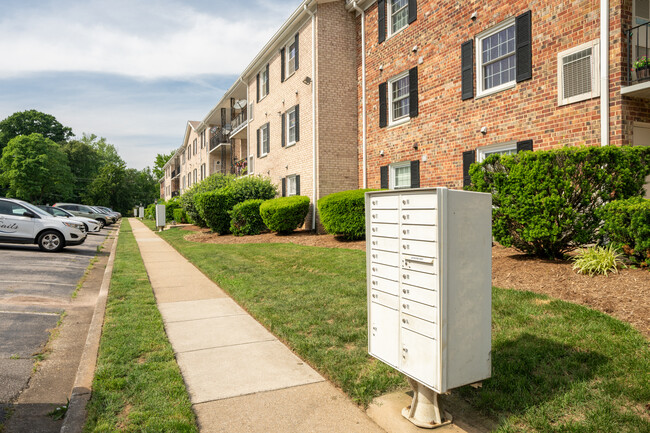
(217, 136)
(638, 54)
(239, 119)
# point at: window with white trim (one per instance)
(264, 80)
(194, 174)
(398, 98)
(290, 58)
(264, 140)
(291, 126)
(291, 185)
(400, 175)
(508, 148)
(398, 11)
(577, 73)
(496, 67)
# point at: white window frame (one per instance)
(483, 151)
(264, 128)
(595, 73)
(391, 174)
(480, 91)
(389, 18)
(291, 182)
(289, 61)
(290, 111)
(251, 167)
(263, 77)
(391, 120)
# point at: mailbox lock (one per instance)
(405, 291)
(404, 231)
(405, 321)
(405, 350)
(374, 269)
(374, 242)
(374, 202)
(405, 202)
(374, 256)
(405, 217)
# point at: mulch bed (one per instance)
(625, 295)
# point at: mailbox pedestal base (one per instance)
(424, 410)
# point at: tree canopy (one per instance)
(159, 163)
(32, 121)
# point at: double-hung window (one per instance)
(508, 148)
(400, 175)
(291, 58)
(291, 126)
(496, 58)
(398, 94)
(291, 185)
(263, 140)
(397, 15)
(264, 83)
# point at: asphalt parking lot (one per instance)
(35, 289)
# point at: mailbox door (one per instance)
(383, 335)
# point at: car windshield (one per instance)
(59, 212)
(34, 209)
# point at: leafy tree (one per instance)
(143, 186)
(35, 169)
(107, 189)
(32, 121)
(159, 163)
(106, 151)
(85, 162)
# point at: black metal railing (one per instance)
(638, 54)
(175, 193)
(239, 119)
(217, 136)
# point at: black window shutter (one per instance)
(415, 173)
(258, 143)
(284, 129)
(282, 65)
(297, 123)
(523, 35)
(381, 24)
(383, 105)
(383, 177)
(468, 158)
(258, 87)
(413, 92)
(268, 79)
(297, 51)
(467, 69)
(297, 184)
(524, 145)
(284, 188)
(413, 10)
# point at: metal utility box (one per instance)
(429, 268)
(141, 211)
(160, 215)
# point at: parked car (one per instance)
(109, 210)
(24, 223)
(109, 216)
(91, 225)
(85, 211)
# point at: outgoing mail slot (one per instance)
(384, 202)
(422, 233)
(419, 216)
(384, 257)
(386, 230)
(384, 271)
(425, 296)
(416, 309)
(419, 201)
(386, 244)
(384, 216)
(420, 279)
(420, 264)
(384, 285)
(419, 248)
(382, 298)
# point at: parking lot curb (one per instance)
(76, 414)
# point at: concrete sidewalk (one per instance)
(239, 376)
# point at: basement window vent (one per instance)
(578, 74)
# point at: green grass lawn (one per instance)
(138, 386)
(557, 367)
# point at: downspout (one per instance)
(604, 72)
(248, 130)
(363, 90)
(313, 113)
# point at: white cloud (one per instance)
(171, 40)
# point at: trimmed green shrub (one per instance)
(170, 207)
(179, 216)
(598, 261)
(213, 208)
(246, 218)
(150, 211)
(544, 202)
(251, 188)
(627, 224)
(285, 214)
(210, 183)
(344, 213)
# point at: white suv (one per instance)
(24, 223)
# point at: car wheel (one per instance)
(51, 241)
(101, 223)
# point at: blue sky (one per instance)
(132, 71)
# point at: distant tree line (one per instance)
(42, 162)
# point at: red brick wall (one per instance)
(447, 126)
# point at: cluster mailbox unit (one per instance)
(429, 268)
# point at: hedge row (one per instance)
(626, 223)
(343, 213)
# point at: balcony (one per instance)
(217, 137)
(638, 61)
(240, 119)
